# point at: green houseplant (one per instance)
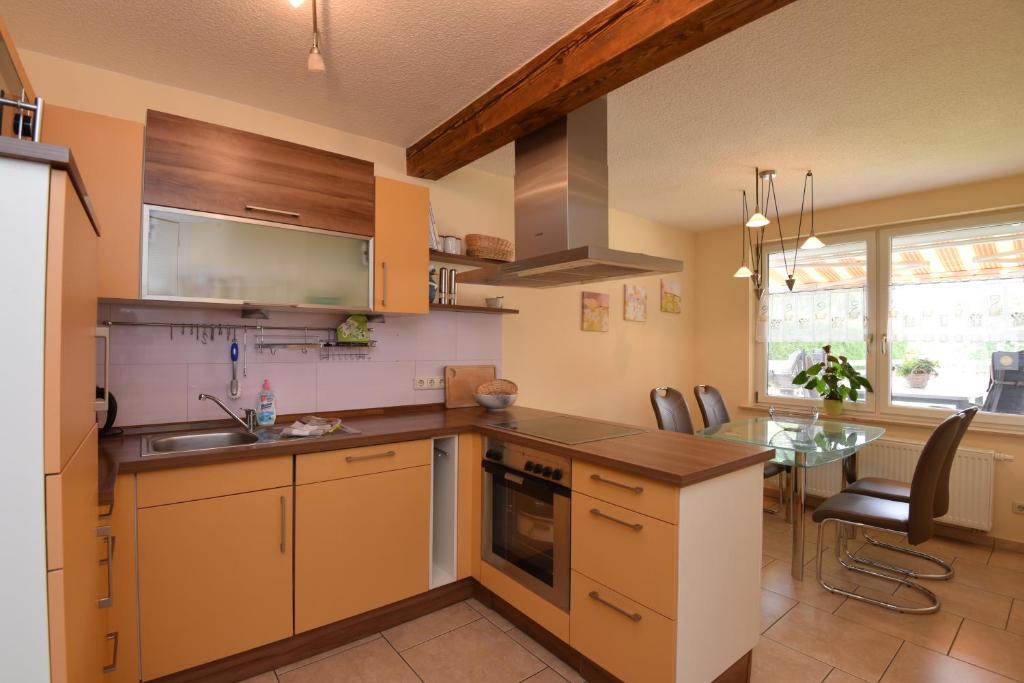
(835, 380)
(917, 371)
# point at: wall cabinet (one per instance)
(215, 578)
(204, 167)
(361, 542)
(108, 152)
(400, 256)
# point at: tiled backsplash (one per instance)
(157, 378)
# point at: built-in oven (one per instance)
(525, 530)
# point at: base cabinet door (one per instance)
(215, 578)
(360, 543)
(121, 662)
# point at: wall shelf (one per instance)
(458, 308)
(462, 259)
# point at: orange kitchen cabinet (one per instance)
(69, 349)
(122, 625)
(215, 578)
(76, 581)
(400, 254)
(108, 152)
(360, 543)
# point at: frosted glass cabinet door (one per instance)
(191, 255)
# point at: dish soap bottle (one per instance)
(266, 406)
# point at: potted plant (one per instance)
(917, 371)
(835, 380)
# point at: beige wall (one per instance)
(724, 314)
(557, 366)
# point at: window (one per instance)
(949, 327)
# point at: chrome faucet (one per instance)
(248, 424)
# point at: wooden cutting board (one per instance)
(461, 381)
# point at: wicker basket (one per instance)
(485, 246)
(497, 387)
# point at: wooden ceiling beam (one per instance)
(624, 41)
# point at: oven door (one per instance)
(526, 531)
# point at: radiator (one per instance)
(970, 483)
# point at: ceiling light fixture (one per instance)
(764, 190)
(315, 62)
(296, 3)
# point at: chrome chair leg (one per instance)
(840, 548)
(947, 569)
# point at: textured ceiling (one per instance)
(879, 98)
(395, 68)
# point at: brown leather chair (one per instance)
(714, 413)
(670, 410)
(890, 489)
(914, 519)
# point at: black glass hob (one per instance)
(567, 430)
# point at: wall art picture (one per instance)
(671, 296)
(596, 307)
(634, 303)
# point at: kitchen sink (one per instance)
(200, 441)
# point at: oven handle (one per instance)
(521, 480)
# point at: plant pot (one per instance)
(833, 408)
(917, 380)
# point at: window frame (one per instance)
(880, 407)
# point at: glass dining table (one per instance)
(800, 442)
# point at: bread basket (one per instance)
(485, 246)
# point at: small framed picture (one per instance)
(671, 296)
(596, 307)
(634, 303)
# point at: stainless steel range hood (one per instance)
(561, 187)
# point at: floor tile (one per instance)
(773, 606)
(372, 662)
(267, 677)
(476, 652)
(328, 653)
(831, 568)
(840, 676)
(776, 663)
(779, 545)
(776, 578)
(1007, 559)
(950, 549)
(990, 648)
(915, 664)
(842, 643)
(933, 631)
(766, 560)
(1016, 622)
(967, 601)
(994, 579)
(546, 656)
(898, 559)
(490, 615)
(545, 676)
(417, 631)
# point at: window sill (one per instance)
(874, 418)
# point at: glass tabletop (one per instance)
(818, 442)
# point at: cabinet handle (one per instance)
(383, 283)
(101, 403)
(283, 532)
(630, 615)
(631, 525)
(106, 533)
(279, 212)
(370, 456)
(112, 667)
(634, 489)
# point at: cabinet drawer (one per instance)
(642, 495)
(629, 640)
(210, 481)
(630, 552)
(353, 462)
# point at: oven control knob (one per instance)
(529, 466)
(557, 475)
(494, 454)
(546, 472)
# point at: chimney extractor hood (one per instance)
(561, 187)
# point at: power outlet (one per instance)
(426, 383)
(1018, 507)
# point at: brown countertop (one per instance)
(678, 459)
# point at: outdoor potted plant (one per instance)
(835, 380)
(916, 372)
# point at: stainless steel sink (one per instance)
(200, 441)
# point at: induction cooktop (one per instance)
(567, 430)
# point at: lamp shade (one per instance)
(812, 242)
(296, 3)
(757, 220)
(742, 271)
(315, 62)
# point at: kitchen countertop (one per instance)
(678, 459)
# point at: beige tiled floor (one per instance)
(808, 634)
